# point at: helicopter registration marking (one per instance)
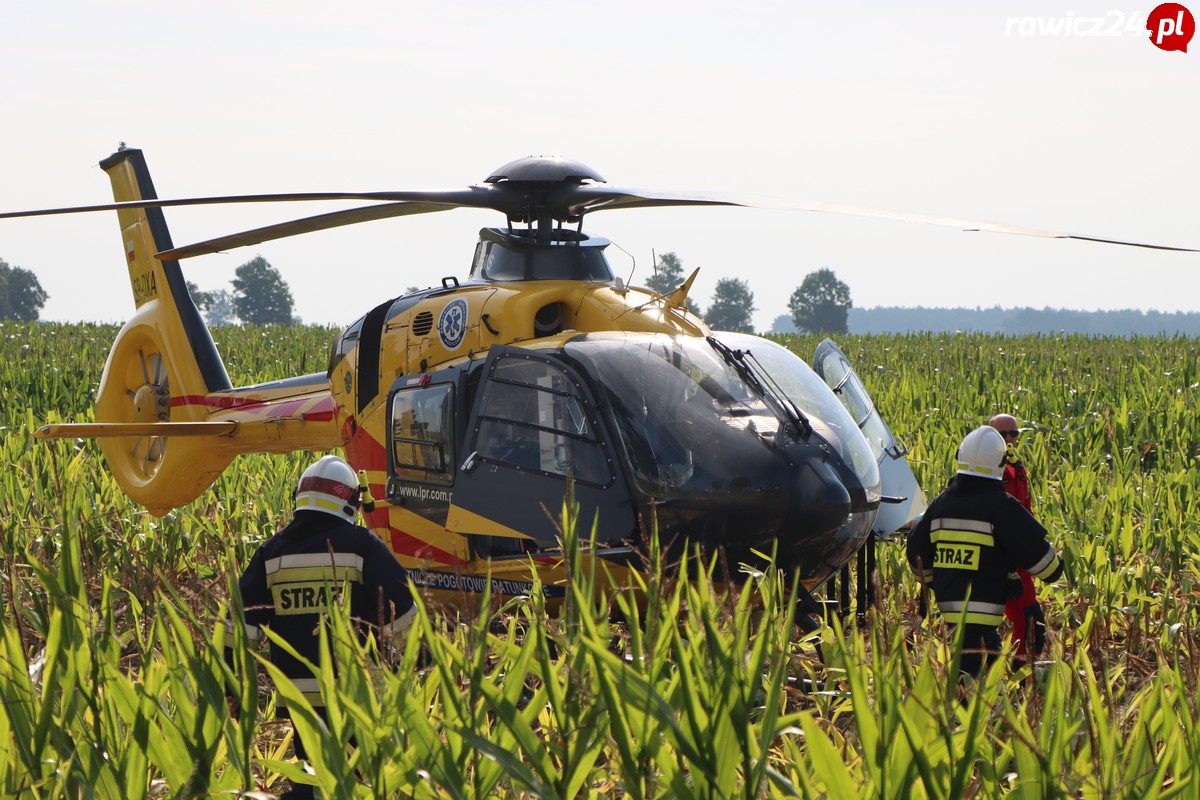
(452, 324)
(144, 287)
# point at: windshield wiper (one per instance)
(753, 375)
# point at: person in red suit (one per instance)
(1023, 611)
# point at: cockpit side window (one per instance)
(422, 434)
(532, 418)
(346, 341)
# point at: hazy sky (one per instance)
(990, 112)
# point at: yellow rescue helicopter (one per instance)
(471, 406)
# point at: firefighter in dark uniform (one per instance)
(322, 551)
(1023, 611)
(970, 542)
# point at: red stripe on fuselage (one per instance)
(320, 409)
(365, 453)
(407, 545)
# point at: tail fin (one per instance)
(144, 233)
(163, 362)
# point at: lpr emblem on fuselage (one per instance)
(452, 324)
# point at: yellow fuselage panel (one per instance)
(506, 578)
(514, 311)
(462, 324)
(439, 329)
(446, 329)
(417, 541)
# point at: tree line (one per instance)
(820, 304)
(21, 295)
(1022, 321)
(259, 295)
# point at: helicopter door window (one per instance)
(857, 401)
(531, 419)
(422, 434)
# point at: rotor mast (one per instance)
(541, 186)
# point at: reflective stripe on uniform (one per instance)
(253, 633)
(300, 584)
(991, 620)
(328, 505)
(964, 537)
(977, 613)
(314, 567)
(961, 524)
(957, 542)
(349, 560)
(310, 690)
(962, 530)
(325, 573)
(1046, 566)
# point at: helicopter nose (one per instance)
(821, 497)
(812, 541)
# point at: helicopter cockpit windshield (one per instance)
(670, 393)
(516, 256)
(745, 453)
(810, 393)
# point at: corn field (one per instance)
(113, 684)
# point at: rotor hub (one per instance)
(146, 404)
(544, 169)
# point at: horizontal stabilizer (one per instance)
(98, 430)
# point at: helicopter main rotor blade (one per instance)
(528, 196)
(596, 198)
(295, 227)
(971, 224)
(204, 201)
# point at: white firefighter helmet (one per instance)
(983, 453)
(330, 485)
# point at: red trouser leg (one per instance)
(1015, 610)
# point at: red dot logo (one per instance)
(1171, 27)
